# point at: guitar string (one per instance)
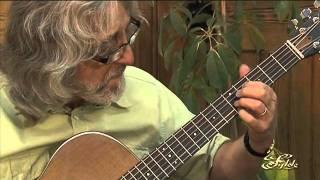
(247, 75)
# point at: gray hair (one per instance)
(44, 41)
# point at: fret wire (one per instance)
(140, 172)
(167, 160)
(123, 177)
(174, 153)
(193, 133)
(156, 168)
(190, 138)
(279, 70)
(183, 146)
(212, 126)
(235, 88)
(178, 146)
(279, 63)
(200, 131)
(135, 172)
(265, 74)
(148, 169)
(218, 112)
(229, 104)
(156, 163)
(230, 92)
(222, 108)
(186, 153)
(255, 74)
(240, 83)
(132, 175)
(163, 157)
(290, 63)
(246, 78)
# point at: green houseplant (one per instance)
(201, 48)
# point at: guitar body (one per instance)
(90, 155)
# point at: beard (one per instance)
(108, 91)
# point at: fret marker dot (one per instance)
(214, 117)
(169, 155)
(175, 162)
(230, 94)
(148, 174)
(194, 134)
(163, 149)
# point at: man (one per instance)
(67, 65)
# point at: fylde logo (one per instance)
(278, 160)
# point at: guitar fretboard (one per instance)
(185, 142)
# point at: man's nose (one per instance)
(127, 57)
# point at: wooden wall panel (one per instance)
(315, 162)
(300, 126)
(4, 6)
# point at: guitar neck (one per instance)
(185, 142)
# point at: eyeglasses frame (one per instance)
(130, 41)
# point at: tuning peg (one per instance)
(316, 4)
(302, 30)
(316, 45)
(305, 13)
(294, 22)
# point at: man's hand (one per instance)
(257, 107)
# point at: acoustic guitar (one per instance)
(96, 156)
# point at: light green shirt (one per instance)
(146, 114)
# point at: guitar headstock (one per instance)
(307, 31)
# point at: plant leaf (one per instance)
(216, 70)
(230, 60)
(163, 24)
(190, 52)
(191, 102)
(201, 18)
(233, 38)
(255, 35)
(210, 21)
(185, 11)
(175, 82)
(178, 22)
(281, 9)
(168, 54)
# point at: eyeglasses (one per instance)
(113, 55)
